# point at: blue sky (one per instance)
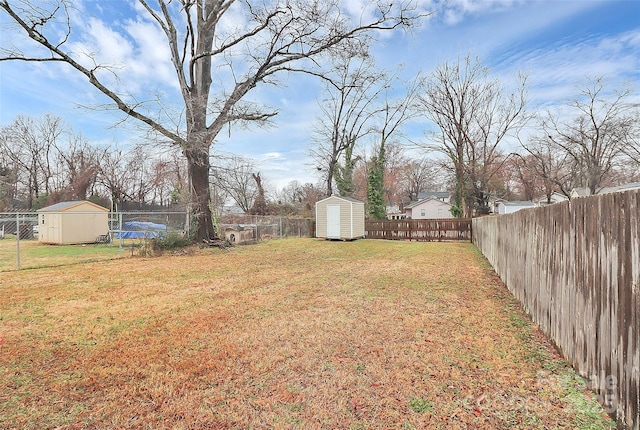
(557, 43)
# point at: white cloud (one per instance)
(455, 11)
(271, 157)
(556, 72)
(152, 59)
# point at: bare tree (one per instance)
(600, 134)
(168, 180)
(346, 114)
(28, 145)
(254, 43)
(302, 197)
(474, 115)
(234, 177)
(390, 118)
(554, 168)
(121, 173)
(79, 162)
(259, 206)
(8, 182)
(290, 194)
(632, 149)
(422, 174)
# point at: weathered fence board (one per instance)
(575, 266)
(430, 230)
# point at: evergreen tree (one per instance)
(375, 188)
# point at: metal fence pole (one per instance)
(18, 237)
(120, 230)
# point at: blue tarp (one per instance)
(140, 230)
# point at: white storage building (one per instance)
(340, 218)
(73, 222)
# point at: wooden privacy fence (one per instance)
(575, 266)
(429, 230)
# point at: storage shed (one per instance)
(340, 218)
(72, 222)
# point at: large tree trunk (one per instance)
(330, 173)
(198, 166)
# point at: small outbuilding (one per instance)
(239, 234)
(73, 222)
(340, 218)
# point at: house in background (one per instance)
(429, 208)
(555, 197)
(620, 188)
(583, 192)
(505, 207)
(580, 192)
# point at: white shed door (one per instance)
(333, 221)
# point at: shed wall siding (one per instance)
(345, 220)
(358, 220)
(81, 223)
(49, 230)
(351, 218)
(321, 219)
(83, 227)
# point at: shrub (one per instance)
(174, 240)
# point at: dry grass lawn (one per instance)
(34, 254)
(297, 333)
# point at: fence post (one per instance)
(18, 237)
(120, 229)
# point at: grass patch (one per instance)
(283, 334)
(420, 405)
(34, 254)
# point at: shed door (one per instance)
(333, 221)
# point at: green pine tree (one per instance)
(375, 187)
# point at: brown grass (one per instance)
(285, 334)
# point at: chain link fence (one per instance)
(22, 245)
(27, 241)
(239, 229)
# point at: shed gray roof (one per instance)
(349, 199)
(58, 207)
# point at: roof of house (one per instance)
(433, 194)
(525, 203)
(63, 206)
(419, 202)
(555, 197)
(625, 187)
(580, 192)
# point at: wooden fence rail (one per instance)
(575, 267)
(428, 230)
